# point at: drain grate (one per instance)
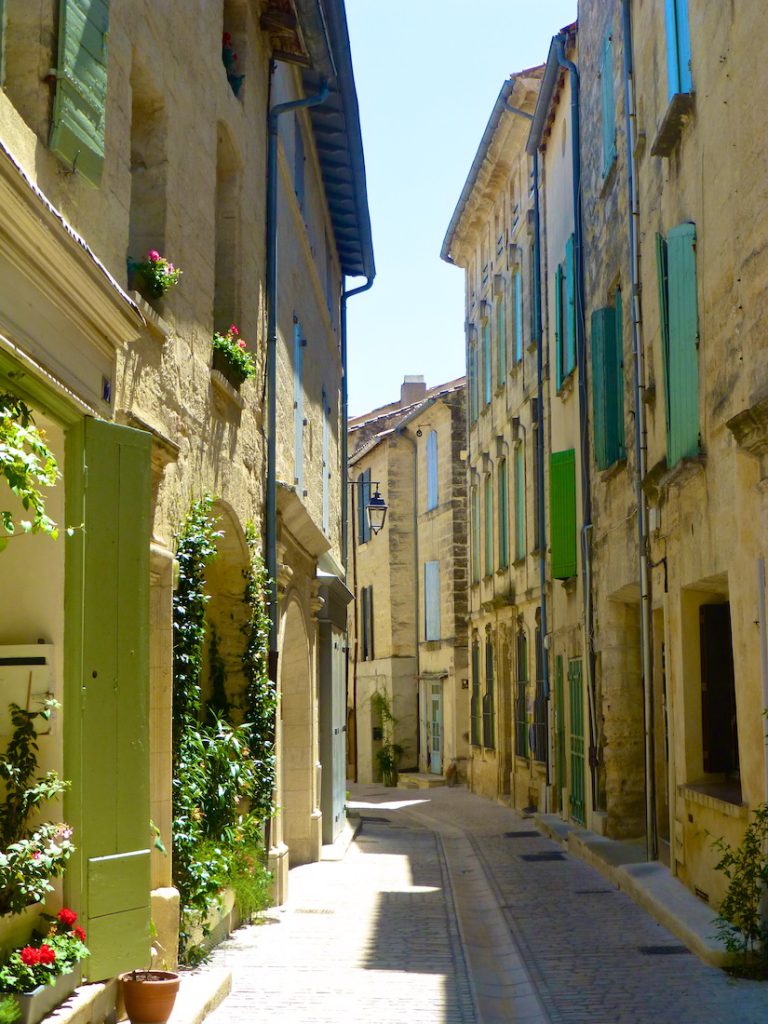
(372, 818)
(547, 855)
(592, 892)
(663, 950)
(525, 834)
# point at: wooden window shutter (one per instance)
(77, 128)
(503, 515)
(559, 333)
(488, 525)
(519, 502)
(600, 320)
(608, 385)
(570, 326)
(501, 342)
(432, 600)
(518, 317)
(432, 494)
(562, 513)
(487, 362)
(661, 272)
(608, 104)
(678, 47)
(683, 344)
(475, 528)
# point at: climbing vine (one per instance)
(27, 464)
(218, 782)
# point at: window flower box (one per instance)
(38, 1003)
(231, 358)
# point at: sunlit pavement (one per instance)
(449, 908)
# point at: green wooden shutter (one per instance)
(570, 327)
(578, 765)
(617, 391)
(77, 129)
(661, 271)
(608, 104)
(560, 767)
(501, 343)
(519, 502)
(503, 516)
(559, 327)
(107, 690)
(608, 385)
(683, 344)
(562, 513)
(488, 525)
(475, 530)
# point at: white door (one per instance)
(339, 725)
(436, 729)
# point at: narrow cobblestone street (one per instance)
(436, 914)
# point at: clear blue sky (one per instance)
(428, 73)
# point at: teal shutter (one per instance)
(559, 332)
(501, 342)
(472, 383)
(77, 129)
(578, 761)
(488, 526)
(562, 513)
(487, 361)
(608, 385)
(678, 47)
(475, 528)
(432, 600)
(608, 104)
(683, 343)
(107, 690)
(519, 502)
(570, 327)
(432, 493)
(518, 317)
(503, 516)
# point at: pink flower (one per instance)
(170, 267)
(36, 855)
(233, 330)
(153, 255)
(241, 344)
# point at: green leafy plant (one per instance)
(27, 464)
(29, 857)
(741, 923)
(236, 359)
(46, 956)
(156, 274)
(389, 753)
(218, 705)
(9, 1010)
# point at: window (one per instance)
(565, 316)
(432, 600)
(517, 286)
(77, 124)
(489, 715)
(607, 104)
(520, 545)
(501, 342)
(149, 165)
(539, 701)
(608, 384)
(676, 265)
(562, 513)
(521, 723)
(486, 362)
(475, 532)
(475, 715)
(363, 489)
(227, 260)
(503, 515)
(488, 489)
(474, 384)
(678, 48)
(366, 623)
(299, 161)
(298, 406)
(720, 739)
(432, 495)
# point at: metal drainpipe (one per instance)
(641, 443)
(586, 496)
(541, 517)
(271, 495)
(345, 296)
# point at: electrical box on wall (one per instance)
(26, 679)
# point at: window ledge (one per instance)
(609, 177)
(566, 385)
(569, 584)
(686, 469)
(157, 325)
(722, 797)
(613, 470)
(674, 120)
(224, 389)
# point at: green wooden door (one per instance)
(576, 696)
(561, 774)
(107, 480)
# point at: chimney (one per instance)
(413, 389)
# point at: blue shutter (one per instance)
(432, 600)
(77, 128)
(503, 516)
(519, 502)
(364, 496)
(487, 361)
(518, 317)
(608, 104)
(570, 327)
(488, 525)
(432, 495)
(298, 408)
(501, 342)
(683, 343)
(559, 332)
(678, 47)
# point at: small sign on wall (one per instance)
(26, 679)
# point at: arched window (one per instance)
(432, 470)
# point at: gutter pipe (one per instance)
(271, 495)
(586, 496)
(641, 443)
(541, 516)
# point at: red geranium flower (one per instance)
(67, 916)
(30, 956)
(153, 255)
(233, 330)
(78, 932)
(46, 954)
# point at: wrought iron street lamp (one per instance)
(376, 510)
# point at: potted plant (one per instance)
(389, 753)
(154, 275)
(231, 357)
(43, 973)
(149, 995)
(229, 60)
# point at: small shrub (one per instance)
(741, 923)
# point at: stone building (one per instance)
(408, 623)
(491, 237)
(147, 136)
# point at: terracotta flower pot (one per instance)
(149, 995)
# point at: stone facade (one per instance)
(410, 582)
(184, 172)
